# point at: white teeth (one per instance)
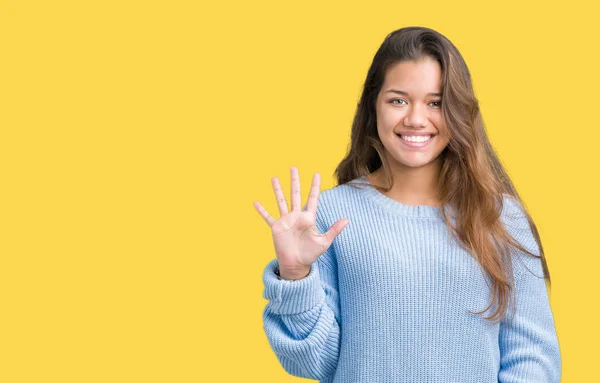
(415, 138)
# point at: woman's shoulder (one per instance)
(513, 212)
(342, 194)
(336, 200)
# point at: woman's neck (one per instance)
(412, 186)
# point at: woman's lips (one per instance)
(417, 145)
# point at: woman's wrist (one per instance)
(290, 275)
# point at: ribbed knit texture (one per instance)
(389, 301)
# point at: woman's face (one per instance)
(409, 105)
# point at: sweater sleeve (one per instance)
(302, 318)
(529, 348)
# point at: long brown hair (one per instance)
(472, 180)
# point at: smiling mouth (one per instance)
(420, 140)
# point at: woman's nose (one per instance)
(417, 116)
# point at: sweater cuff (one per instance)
(292, 296)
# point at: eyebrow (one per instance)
(406, 93)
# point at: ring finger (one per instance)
(281, 202)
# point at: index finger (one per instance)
(313, 195)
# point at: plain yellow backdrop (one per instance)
(136, 136)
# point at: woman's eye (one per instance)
(437, 103)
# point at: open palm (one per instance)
(298, 243)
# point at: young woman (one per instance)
(388, 280)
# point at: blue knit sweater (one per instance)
(389, 301)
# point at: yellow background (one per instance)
(136, 136)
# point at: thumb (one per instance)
(336, 229)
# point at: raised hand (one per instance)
(297, 241)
